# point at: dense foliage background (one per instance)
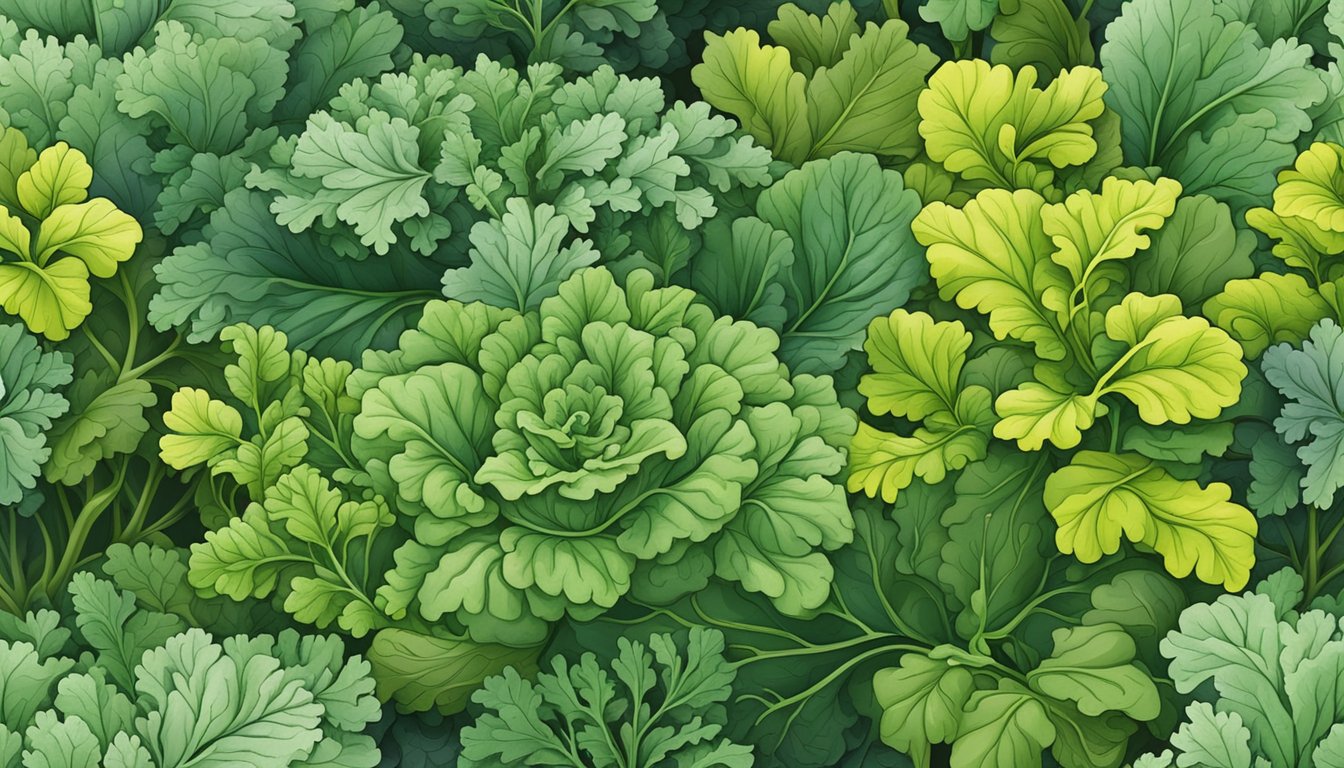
(671, 383)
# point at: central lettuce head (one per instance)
(616, 442)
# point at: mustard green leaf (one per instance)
(422, 672)
(757, 84)
(989, 124)
(866, 101)
(14, 236)
(916, 364)
(1090, 231)
(105, 421)
(1177, 260)
(993, 256)
(1301, 243)
(1042, 34)
(1035, 413)
(959, 18)
(1177, 368)
(886, 463)
(1002, 727)
(815, 41)
(1266, 310)
(1100, 497)
(922, 703)
(94, 232)
(1091, 666)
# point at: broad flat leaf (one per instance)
(422, 672)
(989, 124)
(1091, 667)
(848, 219)
(739, 270)
(1091, 230)
(958, 18)
(757, 84)
(815, 41)
(55, 743)
(1177, 260)
(922, 702)
(916, 365)
(519, 259)
(993, 256)
(1041, 33)
(1002, 728)
(865, 102)
(51, 301)
(1309, 378)
(94, 232)
(250, 269)
(106, 421)
(1099, 497)
(886, 463)
(209, 706)
(1266, 310)
(1307, 190)
(60, 176)
(1193, 91)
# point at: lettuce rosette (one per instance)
(617, 443)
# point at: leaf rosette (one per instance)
(553, 462)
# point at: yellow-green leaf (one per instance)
(865, 102)
(1090, 231)
(200, 429)
(1034, 413)
(986, 123)
(757, 83)
(1266, 310)
(94, 232)
(1310, 189)
(993, 256)
(886, 463)
(1101, 497)
(1177, 368)
(916, 364)
(14, 236)
(61, 176)
(15, 158)
(1301, 244)
(51, 301)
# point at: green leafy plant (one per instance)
(1090, 347)
(663, 708)
(117, 683)
(1271, 670)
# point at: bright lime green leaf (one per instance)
(1003, 728)
(262, 360)
(1175, 370)
(14, 236)
(1091, 667)
(201, 429)
(51, 301)
(1034, 413)
(1091, 231)
(60, 176)
(1311, 188)
(916, 364)
(922, 703)
(988, 124)
(94, 232)
(881, 462)
(993, 256)
(1266, 310)
(1099, 497)
(1301, 243)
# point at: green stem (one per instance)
(1313, 552)
(102, 350)
(153, 362)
